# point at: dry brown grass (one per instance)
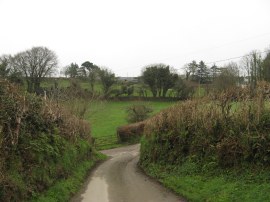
(70, 125)
(230, 128)
(16, 106)
(130, 132)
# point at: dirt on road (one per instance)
(120, 180)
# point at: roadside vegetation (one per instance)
(197, 184)
(212, 149)
(41, 143)
(64, 189)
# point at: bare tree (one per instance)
(252, 64)
(245, 65)
(35, 64)
(227, 78)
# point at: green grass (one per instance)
(106, 116)
(223, 185)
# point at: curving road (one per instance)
(120, 180)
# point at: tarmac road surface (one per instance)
(120, 180)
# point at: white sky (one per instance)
(126, 35)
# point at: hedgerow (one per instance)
(40, 142)
(228, 129)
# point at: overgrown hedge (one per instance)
(130, 133)
(225, 130)
(40, 143)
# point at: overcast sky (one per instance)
(126, 35)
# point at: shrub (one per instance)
(131, 132)
(139, 112)
(218, 130)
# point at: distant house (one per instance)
(128, 79)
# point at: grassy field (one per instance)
(106, 116)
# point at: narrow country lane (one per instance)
(120, 180)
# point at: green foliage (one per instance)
(191, 69)
(120, 90)
(40, 142)
(137, 113)
(183, 90)
(202, 73)
(72, 70)
(107, 79)
(159, 78)
(125, 90)
(63, 189)
(7, 72)
(91, 72)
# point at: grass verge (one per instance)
(63, 189)
(193, 183)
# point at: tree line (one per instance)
(92, 73)
(33, 65)
(253, 67)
